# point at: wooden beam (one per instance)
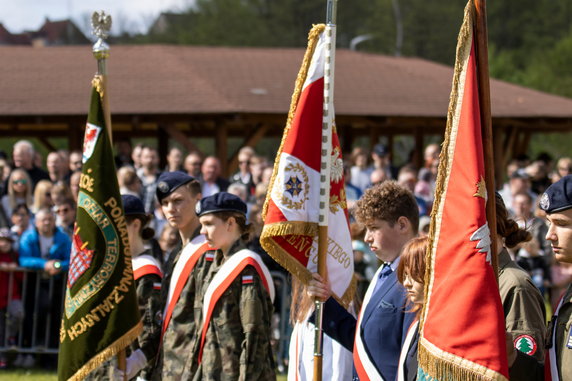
(162, 146)
(47, 144)
(221, 148)
(180, 137)
(418, 159)
(255, 136)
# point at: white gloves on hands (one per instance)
(135, 362)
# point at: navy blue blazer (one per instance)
(384, 325)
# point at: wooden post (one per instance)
(482, 53)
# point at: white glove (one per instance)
(135, 362)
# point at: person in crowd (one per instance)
(19, 191)
(148, 173)
(123, 157)
(128, 181)
(257, 166)
(539, 180)
(60, 192)
(75, 161)
(360, 170)
(244, 175)
(381, 159)
(522, 302)
(242, 191)
(336, 360)
(11, 310)
(42, 196)
(174, 160)
(45, 248)
(147, 274)
(211, 182)
(65, 216)
(236, 337)
(363, 269)
(57, 168)
(528, 257)
(519, 182)
(193, 164)
(411, 274)
(23, 157)
(377, 176)
(391, 217)
(21, 222)
(5, 171)
(353, 193)
(523, 208)
(136, 156)
(74, 184)
(178, 194)
(563, 168)
(431, 155)
(170, 242)
(407, 177)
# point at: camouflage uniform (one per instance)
(180, 336)
(149, 302)
(237, 345)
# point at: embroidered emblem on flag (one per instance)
(247, 279)
(526, 344)
(80, 259)
(91, 134)
(209, 257)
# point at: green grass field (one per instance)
(38, 375)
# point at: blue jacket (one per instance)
(30, 255)
(384, 325)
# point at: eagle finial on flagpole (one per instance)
(101, 25)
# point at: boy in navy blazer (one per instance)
(391, 218)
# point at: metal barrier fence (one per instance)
(33, 327)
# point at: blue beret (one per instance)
(132, 205)
(220, 202)
(558, 196)
(168, 182)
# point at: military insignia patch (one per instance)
(526, 344)
(247, 279)
(198, 208)
(209, 256)
(544, 202)
(92, 133)
(163, 187)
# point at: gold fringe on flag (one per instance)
(108, 352)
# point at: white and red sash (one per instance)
(223, 279)
(181, 272)
(365, 368)
(145, 265)
(405, 350)
(551, 366)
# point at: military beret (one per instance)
(132, 205)
(220, 202)
(168, 182)
(558, 196)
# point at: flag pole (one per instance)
(482, 53)
(327, 125)
(101, 25)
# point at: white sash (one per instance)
(359, 345)
(405, 350)
(186, 254)
(145, 260)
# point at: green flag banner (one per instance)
(100, 316)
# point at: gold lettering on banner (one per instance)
(86, 182)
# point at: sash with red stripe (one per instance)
(365, 368)
(145, 265)
(551, 363)
(181, 272)
(223, 279)
(405, 349)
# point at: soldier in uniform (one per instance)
(178, 193)
(147, 274)
(237, 298)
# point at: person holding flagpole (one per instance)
(236, 298)
(391, 218)
(178, 193)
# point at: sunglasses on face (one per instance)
(21, 181)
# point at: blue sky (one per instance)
(131, 15)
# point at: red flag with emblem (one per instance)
(290, 233)
(462, 332)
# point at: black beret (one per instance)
(220, 202)
(168, 182)
(558, 196)
(132, 205)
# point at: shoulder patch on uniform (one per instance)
(156, 286)
(209, 256)
(247, 279)
(526, 344)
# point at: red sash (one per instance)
(223, 279)
(186, 263)
(365, 368)
(145, 265)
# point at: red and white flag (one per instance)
(290, 233)
(462, 333)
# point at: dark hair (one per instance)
(245, 228)
(23, 207)
(194, 187)
(145, 232)
(507, 227)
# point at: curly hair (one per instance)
(507, 227)
(388, 201)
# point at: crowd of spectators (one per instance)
(38, 206)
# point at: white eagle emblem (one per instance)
(483, 238)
